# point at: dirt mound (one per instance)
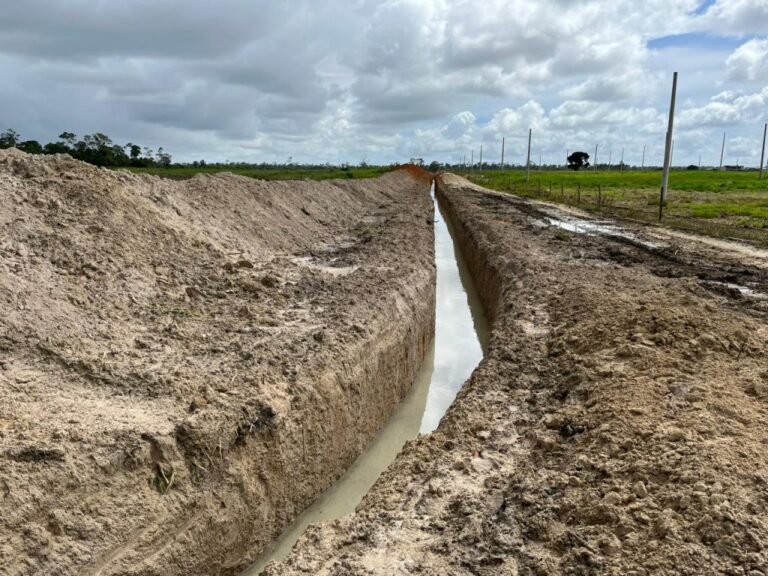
(171, 352)
(616, 426)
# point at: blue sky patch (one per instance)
(696, 40)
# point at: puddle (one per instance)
(743, 290)
(461, 338)
(595, 228)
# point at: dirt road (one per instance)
(184, 366)
(618, 424)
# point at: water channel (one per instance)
(461, 339)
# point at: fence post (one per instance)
(578, 192)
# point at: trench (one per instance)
(460, 342)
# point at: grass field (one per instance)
(283, 173)
(722, 204)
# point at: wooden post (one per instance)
(722, 152)
(668, 147)
(762, 151)
(578, 192)
(481, 157)
(528, 161)
(594, 168)
(502, 154)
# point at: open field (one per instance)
(283, 173)
(721, 204)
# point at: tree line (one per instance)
(95, 149)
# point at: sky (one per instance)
(385, 81)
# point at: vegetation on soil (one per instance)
(723, 204)
(268, 171)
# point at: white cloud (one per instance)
(382, 79)
(739, 17)
(749, 62)
(727, 109)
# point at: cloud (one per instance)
(727, 109)
(749, 62)
(739, 17)
(383, 79)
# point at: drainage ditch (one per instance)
(460, 341)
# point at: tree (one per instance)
(135, 150)
(163, 158)
(68, 137)
(9, 139)
(56, 148)
(30, 147)
(578, 160)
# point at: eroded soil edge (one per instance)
(617, 424)
(184, 366)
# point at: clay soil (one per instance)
(618, 424)
(184, 366)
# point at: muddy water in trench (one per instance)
(461, 339)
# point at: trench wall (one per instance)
(305, 455)
(485, 269)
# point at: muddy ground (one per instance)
(618, 424)
(184, 366)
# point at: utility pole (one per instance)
(699, 161)
(594, 168)
(528, 161)
(621, 163)
(481, 157)
(472, 161)
(762, 151)
(502, 154)
(668, 147)
(609, 159)
(672, 153)
(539, 161)
(722, 151)
(642, 164)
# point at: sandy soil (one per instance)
(618, 424)
(184, 366)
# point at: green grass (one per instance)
(723, 204)
(283, 173)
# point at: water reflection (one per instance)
(461, 337)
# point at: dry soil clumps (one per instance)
(184, 366)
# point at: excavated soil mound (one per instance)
(618, 424)
(184, 366)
